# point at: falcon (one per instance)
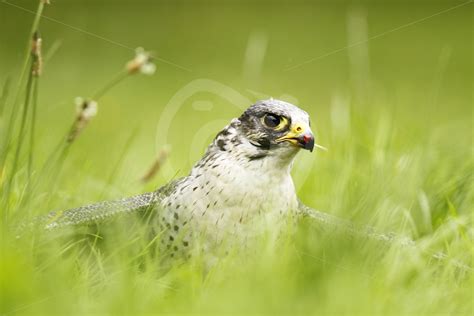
(241, 186)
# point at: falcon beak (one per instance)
(300, 136)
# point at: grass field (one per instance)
(389, 87)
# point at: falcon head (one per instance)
(275, 124)
(268, 129)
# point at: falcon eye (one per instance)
(274, 121)
(271, 120)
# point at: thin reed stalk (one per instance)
(26, 72)
(4, 96)
(33, 128)
(21, 136)
(21, 81)
(109, 85)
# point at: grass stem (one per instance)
(21, 136)
(109, 85)
(24, 69)
(4, 96)
(33, 128)
(10, 128)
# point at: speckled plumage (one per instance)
(237, 189)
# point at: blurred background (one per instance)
(388, 85)
(332, 58)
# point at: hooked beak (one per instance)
(299, 136)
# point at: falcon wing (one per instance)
(327, 221)
(98, 212)
(102, 211)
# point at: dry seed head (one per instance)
(157, 164)
(141, 63)
(36, 43)
(86, 110)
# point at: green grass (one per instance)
(395, 113)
